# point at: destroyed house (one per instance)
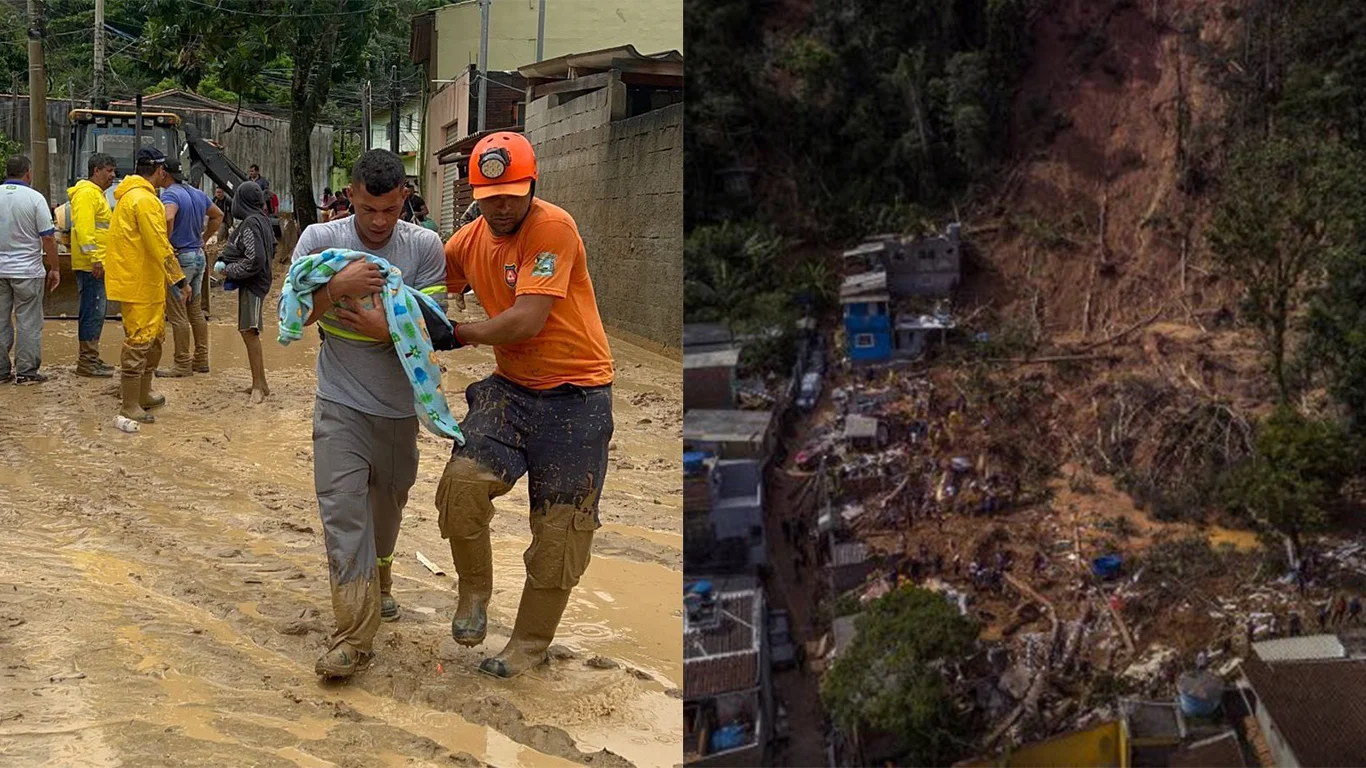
(1310, 705)
(727, 696)
(728, 434)
(924, 265)
(723, 511)
(709, 378)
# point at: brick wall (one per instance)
(622, 181)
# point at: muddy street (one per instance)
(166, 592)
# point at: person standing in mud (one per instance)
(546, 412)
(89, 234)
(189, 214)
(139, 266)
(245, 267)
(364, 428)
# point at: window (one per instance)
(863, 341)
(927, 255)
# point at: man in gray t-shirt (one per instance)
(364, 424)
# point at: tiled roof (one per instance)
(726, 657)
(1318, 707)
(720, 674)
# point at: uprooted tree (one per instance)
(1294, 478)
(893, 676)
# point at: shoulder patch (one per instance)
(545, 265)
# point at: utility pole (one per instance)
(483, 61)
(97, 91)
(365, 117)
(540, 34)
(395, 96)
(37, 98)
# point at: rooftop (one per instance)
(726, 426)
(719, 358)
(860, 428)
(848, 553)
(865, 286)
(1300, 648)
(1221, 751)
(1317, 706)
(725, 659)
(695, 334)
(739, 478)
(623, 57)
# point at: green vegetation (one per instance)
(1293, 480)
(847, 126)
(892, 678)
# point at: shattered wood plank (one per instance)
(429, 565)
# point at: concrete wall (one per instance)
(622, 181)
(571, 26)
(712, 387)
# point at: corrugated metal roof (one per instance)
(850, 553)
(1300, 648)
(1318, 707)
(621, 57)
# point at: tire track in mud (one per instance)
(202, 589)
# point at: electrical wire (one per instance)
(281, 16)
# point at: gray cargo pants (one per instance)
(363, 468)
(24, 298)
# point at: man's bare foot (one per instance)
(258, 396)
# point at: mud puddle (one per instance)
(181, 572)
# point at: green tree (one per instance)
(1288, 208)
(1294, 478)
(892, 677)
(1335, 344)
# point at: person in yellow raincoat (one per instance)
(139, 264)
(89, 225)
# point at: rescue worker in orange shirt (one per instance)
(546, 412)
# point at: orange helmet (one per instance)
(502, 163)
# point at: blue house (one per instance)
(867, 317)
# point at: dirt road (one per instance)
(164, 594)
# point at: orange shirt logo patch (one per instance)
(510, 275)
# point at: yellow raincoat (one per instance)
(89, 224)
(139, 262)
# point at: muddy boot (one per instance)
(341, 662)
(88, 362)
(130, 381)
(538, 616)
(200, 328)
(146, 398)
(474, 563)
(388, 606)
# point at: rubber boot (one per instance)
(178, 319)
(88, 362)
(474, 563)
(200, 328)
(538, 616)
(388, 606)
(145, 396)
(130, 380)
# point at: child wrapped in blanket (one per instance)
(245, 267)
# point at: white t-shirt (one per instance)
(24, 221)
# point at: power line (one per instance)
(282, 16)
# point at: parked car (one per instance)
(810, 392)
(782, 650)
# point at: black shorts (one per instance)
(558, 438)
(250, 309)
